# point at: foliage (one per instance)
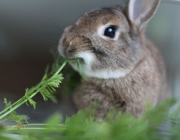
(79, 67)
(82, 126)
(46, 88)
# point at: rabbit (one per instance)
(124, 69)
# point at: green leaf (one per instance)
(7, 104)
(32, 102)
(80, 70)
(46, 87)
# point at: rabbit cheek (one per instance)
(88, 59)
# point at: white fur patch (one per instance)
(105, 74)
(89, 58)
(102, 28)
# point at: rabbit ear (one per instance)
(141, 11)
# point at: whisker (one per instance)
(55, 24)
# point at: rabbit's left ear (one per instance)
(141, 11)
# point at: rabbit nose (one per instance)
(70, 52)
(65, 47)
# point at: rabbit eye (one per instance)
(110, 31)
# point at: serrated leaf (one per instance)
(32, 102)
(7, 104)
(47, 86)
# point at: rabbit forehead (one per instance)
(92, 20)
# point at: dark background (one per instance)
(29, 29)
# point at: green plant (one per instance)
(46, 88)
(81, 126)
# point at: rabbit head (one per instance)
(108, 41)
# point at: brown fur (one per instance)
(145, 81)
(130, 94)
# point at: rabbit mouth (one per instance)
(76, 60)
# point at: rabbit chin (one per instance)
(88, 59)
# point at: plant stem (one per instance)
(24, 99)
(62, 66)
(18, 105)
(17, 102)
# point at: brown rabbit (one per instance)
(124, 69)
